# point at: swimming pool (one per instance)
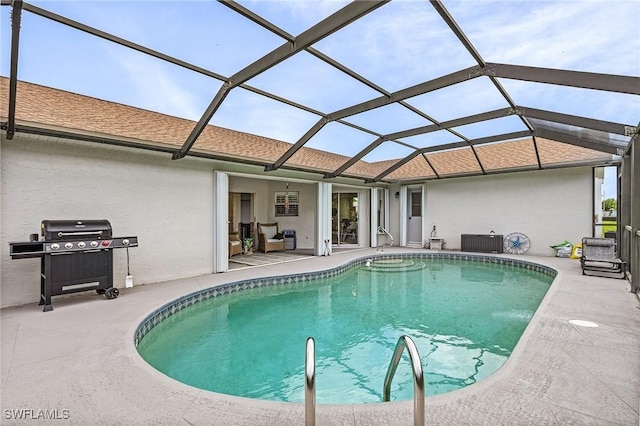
(465, 313)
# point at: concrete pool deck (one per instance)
(78, 363)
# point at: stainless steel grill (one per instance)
(76, 255)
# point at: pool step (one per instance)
(393, 265)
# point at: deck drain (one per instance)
(582, 323)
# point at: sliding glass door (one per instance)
(344, 218)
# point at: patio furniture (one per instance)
(235, 245)
(349, 230)
(266, 237)
(599, 258)
(436, 243)
(481, 243)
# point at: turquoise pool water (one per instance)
(464, 316)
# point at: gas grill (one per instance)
(76, 255)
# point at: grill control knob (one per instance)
(68, 245)
(82, 244)
(125, 242)
(55, 246)
(93, 244)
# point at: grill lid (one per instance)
(75, 229)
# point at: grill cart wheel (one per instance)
(101, 290)
(112, 293)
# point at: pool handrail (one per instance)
(310, 384)
(418, 377)
(382, 230)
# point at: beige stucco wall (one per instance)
(303, 224)
(167, 204)
(548, 206)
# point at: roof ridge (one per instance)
(75, 111)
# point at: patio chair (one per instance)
(350, 231)
(266, 237)
(599, 258)
(235, 245)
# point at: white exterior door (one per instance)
(414, 216)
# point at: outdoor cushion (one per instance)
(600, 242)
(269, 231)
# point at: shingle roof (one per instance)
(37, 105)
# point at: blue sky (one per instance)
(398, 45)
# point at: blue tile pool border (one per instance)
(307, 278)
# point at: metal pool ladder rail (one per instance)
(418, 377)
(310, 384)
(381, 230)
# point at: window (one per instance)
(287, 203)
(416, 203)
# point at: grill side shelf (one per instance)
(26, 250)
(119, 242)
